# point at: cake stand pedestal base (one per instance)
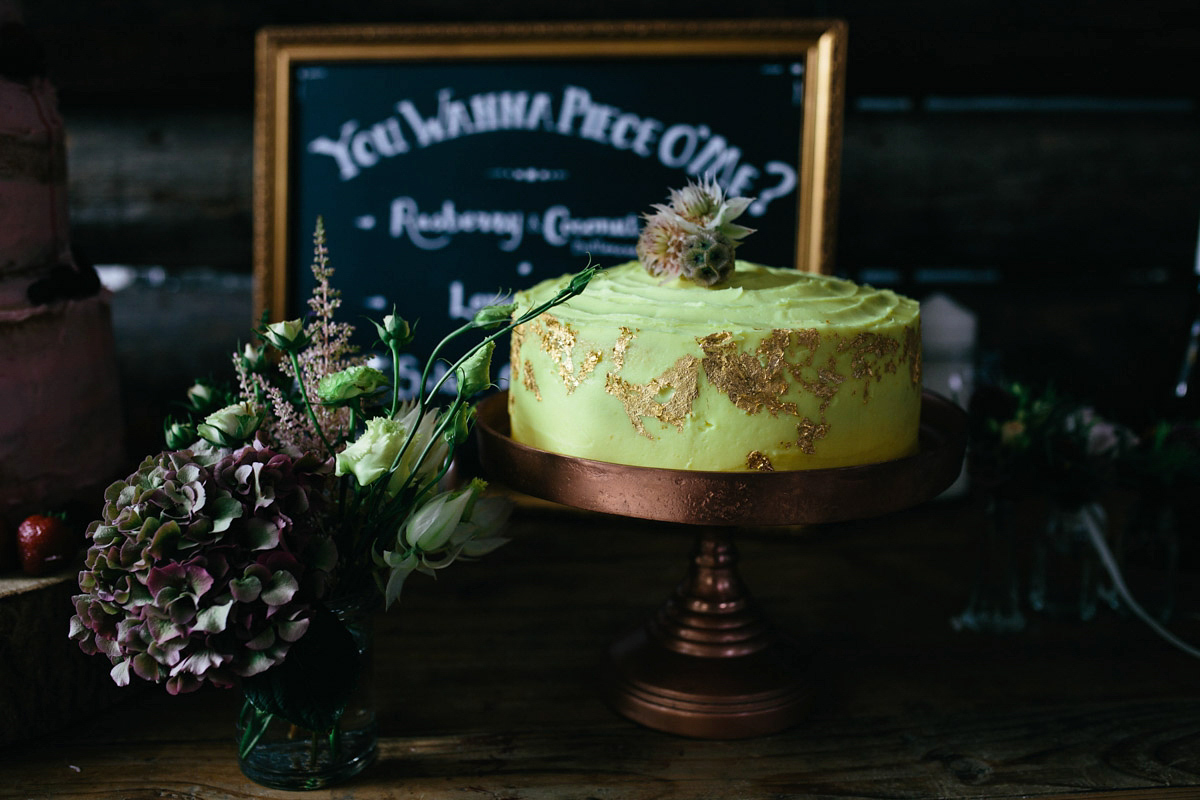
(708, 664)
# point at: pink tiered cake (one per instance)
(61, 432)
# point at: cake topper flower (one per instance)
(694, 236)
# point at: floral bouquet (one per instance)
(1024, 437)
(309, 484)
(1166, 460)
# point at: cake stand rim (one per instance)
(793, 497)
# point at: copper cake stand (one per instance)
(708, 664)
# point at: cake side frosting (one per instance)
(61, 428)
(771, 369)
(61, 421)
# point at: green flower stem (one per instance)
(399, 509)
(395, 378)
(308, 404)
(577, 285)
(400, 505)
(422, 399)
(395, 509)
(252, 735)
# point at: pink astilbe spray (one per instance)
(329, 350)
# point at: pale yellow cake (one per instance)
(771, 369)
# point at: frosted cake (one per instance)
(699, 361)
(61, 431)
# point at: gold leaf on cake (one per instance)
(808, 433)
(825, 383)
(752, 382)
(667, 398)
(912, 351)
(624, 340)
(869, 358)
(758, 461)
(558, 341)
(529, 380)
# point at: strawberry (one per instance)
(46, 543)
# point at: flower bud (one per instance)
(287, 336)
(431, 526)
(230, 425)
(581, 279)
(394, 332)
(253, 358)
(202, 398)
(493, 316)
(179, 435)
(459, 429)
(342, 387)
(475, 373)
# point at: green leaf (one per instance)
(311, 687)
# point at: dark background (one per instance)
(1039, 162)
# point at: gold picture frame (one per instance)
(280, 51)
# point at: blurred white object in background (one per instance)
(948, 356)
(948, 348)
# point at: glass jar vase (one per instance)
(1064, 579)
(333, 676)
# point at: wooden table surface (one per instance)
(488, 685)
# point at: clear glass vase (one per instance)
(995, 602)
(280, 754)
(1064, 579)
(1148, 556)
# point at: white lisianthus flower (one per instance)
(349, 384)
(479, 535)
(201, 396)
(431, 526)
(253, 357)
(231, 424)
(371, 456)
(287, 335)
(408, 416)
(400, 566)
(452, 525)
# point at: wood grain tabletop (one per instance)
(487, 684)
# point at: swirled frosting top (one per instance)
(753, 297)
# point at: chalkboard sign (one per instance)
(453, 164)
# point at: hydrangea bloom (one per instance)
(203, 573)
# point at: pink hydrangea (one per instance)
(204, 574)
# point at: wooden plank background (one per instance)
(1013, 144)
